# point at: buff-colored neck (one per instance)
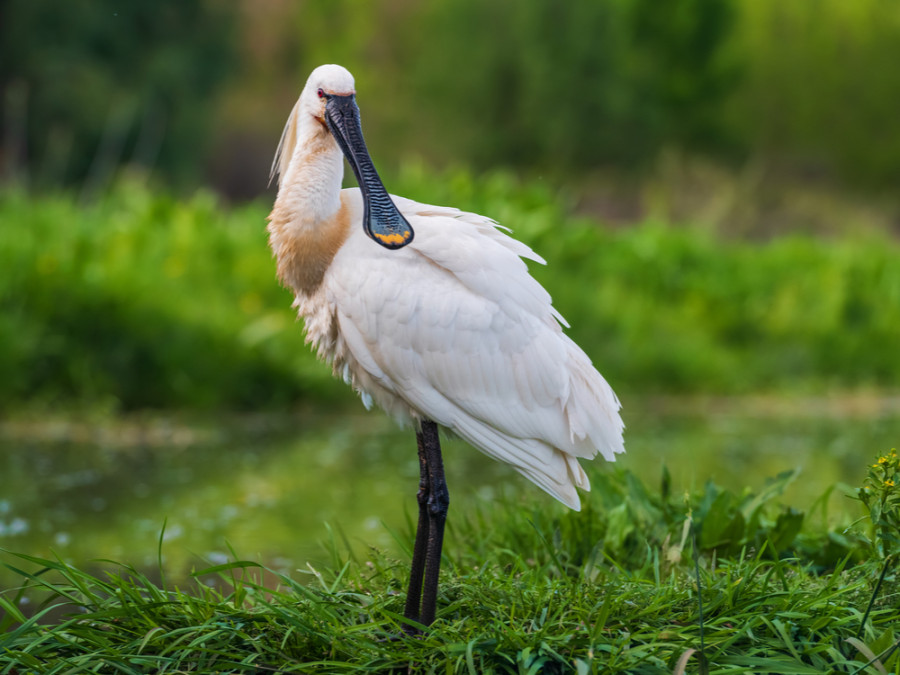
(309, 221)
(311, 182)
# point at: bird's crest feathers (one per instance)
(285, 149)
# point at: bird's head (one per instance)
(329, 97)
(326, 83)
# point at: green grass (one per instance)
(611, 589)
(142, 300)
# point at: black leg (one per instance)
(414, 594)
(434, 501)
(438, 504)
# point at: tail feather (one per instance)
(552, 470)
(592, 410)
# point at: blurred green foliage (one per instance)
(820, 85)
(571, 85)
(551, 88)
(141, 300)
(90, 85)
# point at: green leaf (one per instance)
(773, 488)
(786, 529)
(722, 524)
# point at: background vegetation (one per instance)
(140, 300)
(89, 87)
(805, 88)
(713, 184)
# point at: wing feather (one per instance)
(455, 327)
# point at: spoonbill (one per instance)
(430, 313)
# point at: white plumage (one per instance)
(451, 327)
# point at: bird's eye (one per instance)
(321, 93)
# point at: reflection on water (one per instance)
(267, 486)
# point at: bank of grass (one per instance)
(641, 581)
(143, 300)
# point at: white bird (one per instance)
(430, 313)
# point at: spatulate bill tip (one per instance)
(392, 236)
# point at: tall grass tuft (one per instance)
(523, 591)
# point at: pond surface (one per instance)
(270, 487)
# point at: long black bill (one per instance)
(382, 221)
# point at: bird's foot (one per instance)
(406, 632)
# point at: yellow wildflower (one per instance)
(889, 483)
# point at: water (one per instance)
(270, 487)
